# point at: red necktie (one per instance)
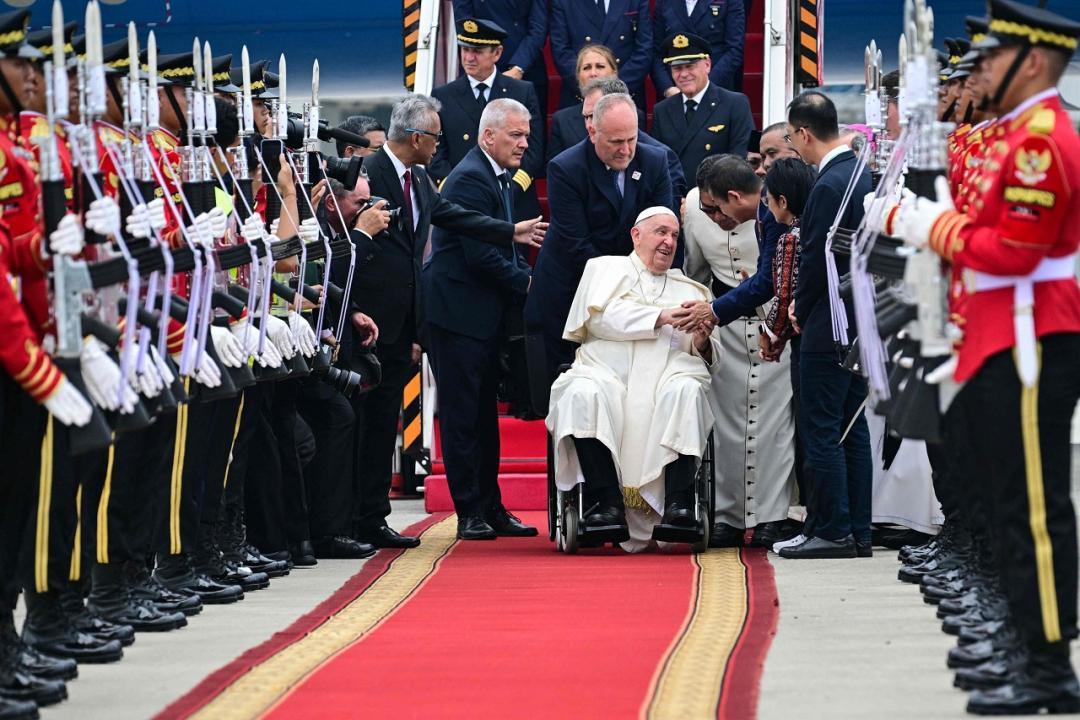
(408, 198)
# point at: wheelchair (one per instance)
(566, 510)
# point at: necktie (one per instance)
(508, 204)
(480, 88)
(601, 6)
(691, 106)
(407, 191)
(615, 179)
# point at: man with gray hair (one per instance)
(386, 287)
(469, 289)
(464, 101)
(595, 190)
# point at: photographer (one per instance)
(324, 400)
(366, 127)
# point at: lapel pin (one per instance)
(636, 175)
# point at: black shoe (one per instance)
(978, 615)
(1042, 683)
(898, 538)
(111, 599)
(18, 710)
(386, 537)
(975, 654)
(605, 516)
(17, 685)
(473, 527)
(864, 548)
(342, 547)
(231, 535)
(817, 548)
(145, 588)
(768, 534)
(175, 573)
(248, 554)
(506, 525)
(990, 674)
(48, 630)
(280, 556)
(28, 660)
(83, 620)
(679, 510)
(303, 555)
(723, 535)
(978, 633)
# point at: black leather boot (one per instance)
(175, 573)
(1046, 681)
(48, 630)
(111, 599)
(20, 686)
(210, 561)
(232, 539)
(145, 588)
(29, 660)
(996, 671)
(18, 710)
(84, 621)
(974, 654)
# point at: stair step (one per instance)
(520, 491)
(507, 466)
(517, 438)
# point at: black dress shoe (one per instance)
(342, 547)
(605, 516)
(817, 548)
(506, 525)
(27, 688)
(768, 534)
(679, 511)
(723, 535)
(864, 548)
(385, 536)
(473, 527)
(303, 555)
(18, 710)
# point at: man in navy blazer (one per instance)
(595, 190)
(624, 26)
(722, 23)
(464, 99)
(832, 397)
(568, 130)
(526, 25)
(703, 118)
(469, 286)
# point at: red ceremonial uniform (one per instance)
(34, 128)
(1023, 209)
(110, 136)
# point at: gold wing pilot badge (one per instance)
(716, 128)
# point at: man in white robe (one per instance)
(631, 417)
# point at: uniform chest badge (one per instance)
(715, 11)
(716, 128)
(1031, 166)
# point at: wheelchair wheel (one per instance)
(570, 530)
(703, 544)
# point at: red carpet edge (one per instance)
(742, 679)
(212, 685)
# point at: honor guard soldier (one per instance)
(1017, 304)
(703, 119)
(464, 99)
(722, 24)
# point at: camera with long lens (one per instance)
(364, 378)
(395, 212)
(345, 170)
(294, 136)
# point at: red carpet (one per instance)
(513, 629)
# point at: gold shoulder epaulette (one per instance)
(1042, 121)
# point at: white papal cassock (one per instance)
(640, 391)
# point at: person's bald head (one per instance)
(655, 239)
(614, 130)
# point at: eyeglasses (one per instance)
(710, 210)
(787, 136)
(437, 136)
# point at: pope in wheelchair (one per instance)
(630, 420)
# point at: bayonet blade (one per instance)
(95, 68)
(57, 34)
(152, 107)
(248, 110)
(315, 83)
(283, 103)
(133, 54)
(208, 67)
(196, 61)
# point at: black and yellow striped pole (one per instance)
(808, 65)
(413, 451)
(410, 22)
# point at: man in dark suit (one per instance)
(595, 189)
(386, 287)
(722, 23)
(623, 26)
(593, 91)
(704, 118)
(526, 25)
(832, 397)
(468, 288)
(463, 101)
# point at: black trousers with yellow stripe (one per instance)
(22, 428)
(1020, 450)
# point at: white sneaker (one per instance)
(797, 540)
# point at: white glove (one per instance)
(271, 356)
(915, 220)
(164, 371)
(103, 378)
(103, 216)
(303, 334)
(308, 230)
(219, 222)
(202, 230)
(148, 381)
(138, 223)
(246, 335)
(67, 238)
(281, 335)
(229, 349)
(274, 226)
(156, 208)
(67, 405)
(253, 228)
(207, 372)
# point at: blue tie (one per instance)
(508, 205)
